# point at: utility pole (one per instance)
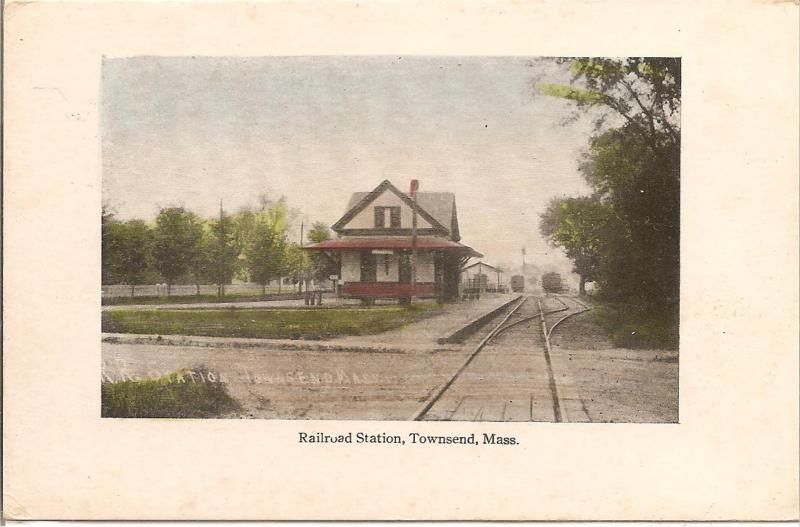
(302, 225)
(220, 278)
(414, 187)
(523, 261)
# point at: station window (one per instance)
(394, 217)
(380, 217)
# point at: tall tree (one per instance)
(245, 223)
(634, 170)
(109, 244)
(176, 243)
(223, 252)
(265, 255)
(269, 255)
(129, 245)
(201, 266)
(642, 187)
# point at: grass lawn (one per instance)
(630, 326)
(266, 323)
(174, 395)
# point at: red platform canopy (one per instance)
(392, 243)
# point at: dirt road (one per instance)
(509, 380)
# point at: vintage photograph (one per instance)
(445, 238)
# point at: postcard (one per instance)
(448, 261)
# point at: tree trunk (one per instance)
(133, 287)
(582, 286)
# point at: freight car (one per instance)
(517, 283)
(552, 283)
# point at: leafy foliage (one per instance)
(321, 265)
(223, 251)
(644, 91)
(265, 254)
(295, 261)
(201, 266)
(626, 236)
(641, 261)
(180, 247)
(176, 245)
(580, 226)
(319, 232)
(126, 252)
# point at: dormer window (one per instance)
(381, 219)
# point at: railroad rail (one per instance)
(505, 324)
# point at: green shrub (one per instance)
(635, 327)
(180, 394)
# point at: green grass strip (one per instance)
(265, 323)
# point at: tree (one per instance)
(267, 251)
(319, 232)
(579, 226)
(265, 254)
(634, 169)
(644, 92)
(223, 252)
(201, 267)
(129, 247)
(295, 262)
(245, 223)
(321, 265)
(176, 243)
(643, 188)
(109, 244)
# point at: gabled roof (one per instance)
(438, 208)
(483, 264)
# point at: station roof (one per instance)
(440, 205)
(391, 243)
(484, 264)
(438, 208)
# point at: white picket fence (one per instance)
(117, 290)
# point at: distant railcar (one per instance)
(517, 283)
(552, 283)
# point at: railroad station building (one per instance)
(375, 242)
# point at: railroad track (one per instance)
(508, 375)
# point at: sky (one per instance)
(192, 131)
